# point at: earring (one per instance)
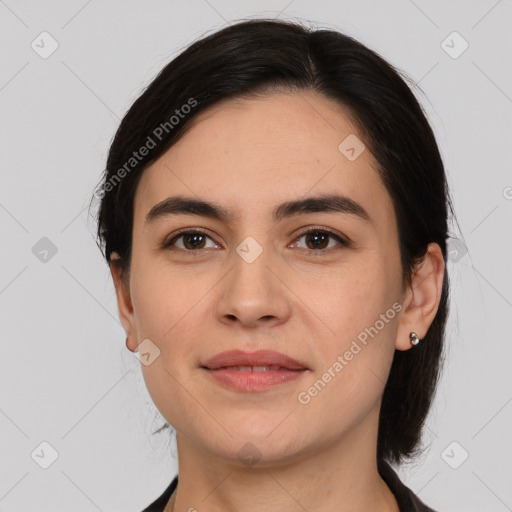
(414, 338)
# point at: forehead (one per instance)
(251, 154)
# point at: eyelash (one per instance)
(312, 252)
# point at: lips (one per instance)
(261, 368)
(251, 372)
(242, 361)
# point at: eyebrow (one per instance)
(331, 203)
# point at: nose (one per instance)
(253, 293)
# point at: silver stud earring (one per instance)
(414, 338)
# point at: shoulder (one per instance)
(406, 499)
(159, 504)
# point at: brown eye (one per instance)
(191, 241)
(317, 240)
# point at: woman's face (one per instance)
(308, 296)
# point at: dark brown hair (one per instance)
(260, 56)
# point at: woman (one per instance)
(275, 213)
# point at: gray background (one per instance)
(66, 377)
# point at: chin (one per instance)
(263, 451)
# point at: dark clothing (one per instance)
(406, 499)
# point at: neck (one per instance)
(338, 475)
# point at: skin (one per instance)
(249, 155)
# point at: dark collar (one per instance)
(406, 499)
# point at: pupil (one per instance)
(316, 237)
(195, 237)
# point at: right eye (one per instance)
(193, 241)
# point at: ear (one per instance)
(124, 303)
(422, 298)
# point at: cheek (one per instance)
(353, 311)
(351, 374)
(163, 300)
(169, 311)
(345, 299)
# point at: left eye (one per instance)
(316, 239)
(194, 240)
